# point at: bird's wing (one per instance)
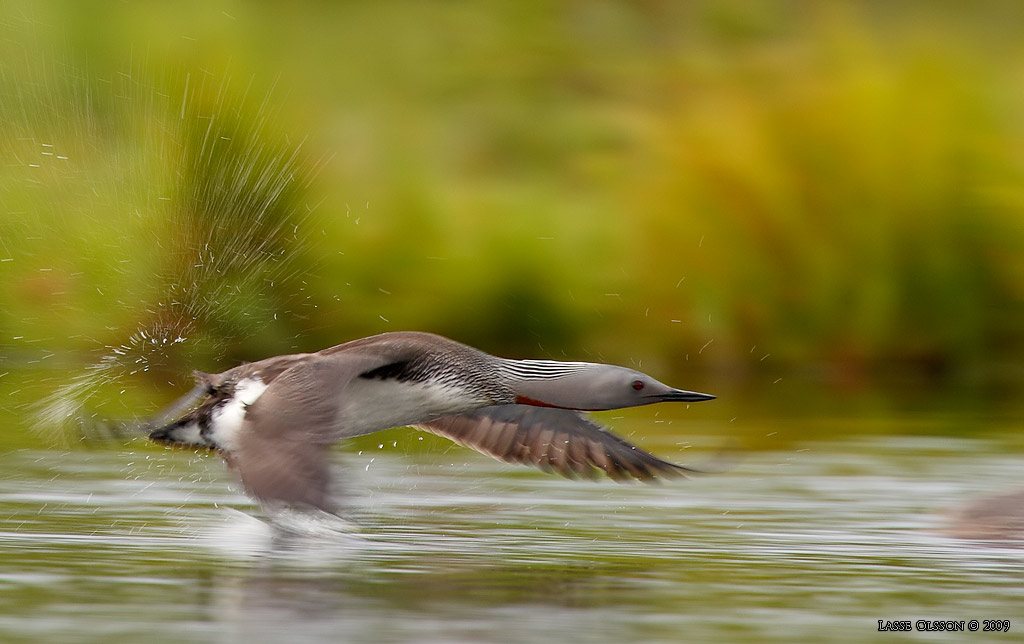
(557, 440)
(174, 409)
(282, 453)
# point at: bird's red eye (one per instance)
(638, 384)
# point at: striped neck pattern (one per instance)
(517, 370)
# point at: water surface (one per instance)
(814, 542)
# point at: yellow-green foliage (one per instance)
(837, 184)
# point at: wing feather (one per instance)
(558, 440)
(282, 455)
(557, 452)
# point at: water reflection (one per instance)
(158, 546)
(992, 517)
(503, 602)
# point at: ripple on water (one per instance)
(841, 534)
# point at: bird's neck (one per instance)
(546, 383)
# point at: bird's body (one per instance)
(274, 419)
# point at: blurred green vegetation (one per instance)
(725, 191)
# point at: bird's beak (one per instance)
(681, 395)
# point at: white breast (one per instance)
(226, 420)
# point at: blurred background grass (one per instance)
(728, 192)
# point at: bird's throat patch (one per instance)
(523, 400)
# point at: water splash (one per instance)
(192, 169)
(68, 405)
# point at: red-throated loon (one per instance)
(273, 420)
